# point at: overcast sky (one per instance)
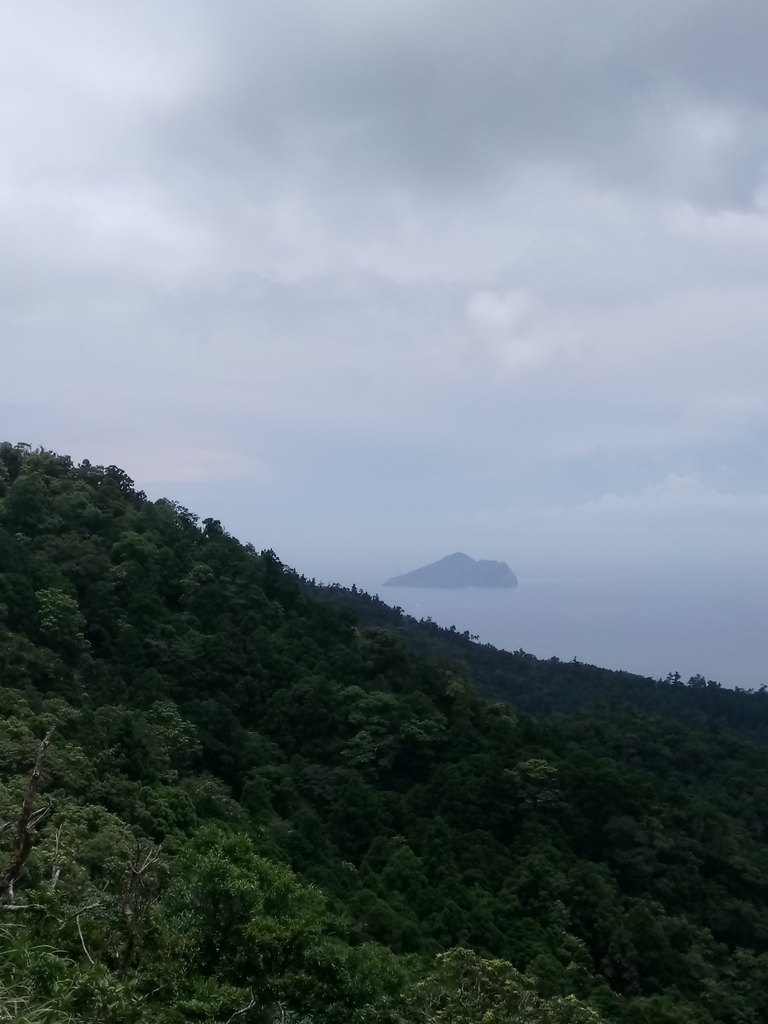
(377, 281)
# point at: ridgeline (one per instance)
(233, 796)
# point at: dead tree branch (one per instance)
(139, 887)
(139, 894)
(26, 825)
(56, 865)
(82, 940)
(245, 1009)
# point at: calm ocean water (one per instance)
(716, 628)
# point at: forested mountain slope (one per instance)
(254, 808)
(541, 686)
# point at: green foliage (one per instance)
(40, 985)
(260, 808)
(463, 988)
(539, 686)
(61, 622)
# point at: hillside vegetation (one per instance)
(552, 686)
(250, 804)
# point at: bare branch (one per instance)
(35, 778)
(37, 817)
(245, 1009)
(82, 940)
(56, 866)
(139, 884)
(90, 906)
(139, 894)
(28, 820)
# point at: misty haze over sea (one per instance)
(647, 626)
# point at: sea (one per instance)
(653, 627)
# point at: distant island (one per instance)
(456, 571)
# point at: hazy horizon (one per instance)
(684, 613)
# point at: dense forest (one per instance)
(553, 686)
(230, 795)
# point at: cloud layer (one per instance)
(399, 263)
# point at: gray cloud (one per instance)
(407, 264)
(460, 94)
